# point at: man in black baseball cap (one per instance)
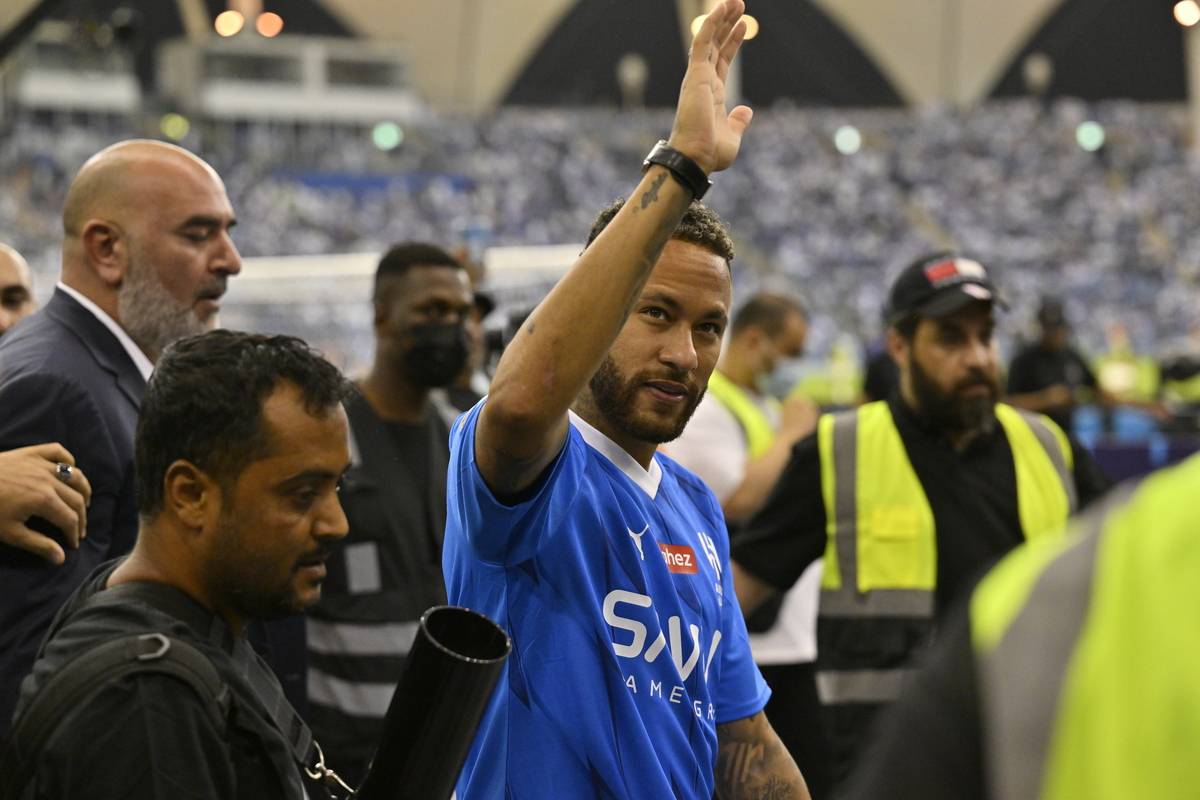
(909, 498)
(948, 365)
(940, 284)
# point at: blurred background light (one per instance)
(174, 126)
(1187, 13)
(387, 135)
(229, 23)
(847, 140)
(269, 24)
(752, 26)
(1090, 136)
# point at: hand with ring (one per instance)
(42, 481)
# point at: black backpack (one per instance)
(86, 674)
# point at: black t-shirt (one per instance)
(412, 445)
(972, 493)
(1036, 368)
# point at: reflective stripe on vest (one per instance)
(754, 423)
(881, 557)
(1087, 653)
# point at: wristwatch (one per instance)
(681, 167)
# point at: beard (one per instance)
(953, 411)
(616, 399)
(254, 583)
(151, 316)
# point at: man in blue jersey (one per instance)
(631, 675)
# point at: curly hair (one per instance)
(700, 226)
(204, 404)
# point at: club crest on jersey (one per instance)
(680, 558)
(710, 550)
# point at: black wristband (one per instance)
(681, 167)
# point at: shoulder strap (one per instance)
(90, 671)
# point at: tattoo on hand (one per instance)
(650, 196)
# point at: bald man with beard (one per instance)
(145, 259)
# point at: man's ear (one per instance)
(106, 247)
(190, 494)
(899, 348)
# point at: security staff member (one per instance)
(388, 570)
(1071, 673)
(909, 498)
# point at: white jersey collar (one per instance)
(647, 480)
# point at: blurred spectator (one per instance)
(16, 288)
(1050, 376)
(145, 260)
(388, 571)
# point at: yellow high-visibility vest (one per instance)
(737, 401)
(1087, 653)
(881, 556)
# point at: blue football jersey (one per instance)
(628, 644)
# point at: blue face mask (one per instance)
(780, 381)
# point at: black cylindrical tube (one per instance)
(444, 688)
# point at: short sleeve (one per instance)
(788, 532)
(497, 532)
(741, 691)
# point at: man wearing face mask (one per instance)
(388, 569)
(738, 442)
(908, 499)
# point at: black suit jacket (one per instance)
(64, 377)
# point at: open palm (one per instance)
(703, 130)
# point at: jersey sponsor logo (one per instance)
(710, 550)
(637, 539)
(680, 558)
(685, 658)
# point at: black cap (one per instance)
(938, 285)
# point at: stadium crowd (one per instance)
(186, 504)
(1108, 230)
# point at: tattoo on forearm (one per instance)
(738, 762)
(650, 196)
(775, 789)
(750, 767)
